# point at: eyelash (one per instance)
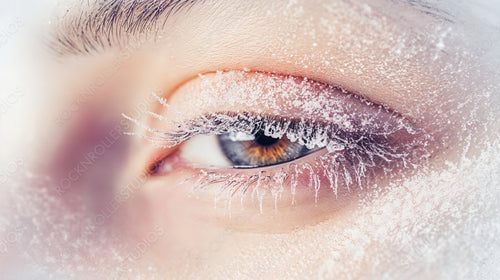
(353, 153)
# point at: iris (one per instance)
(257, 150)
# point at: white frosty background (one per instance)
(462, 201)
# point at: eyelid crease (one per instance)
(238, 88)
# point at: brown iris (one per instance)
(259, 149)
(267, 149)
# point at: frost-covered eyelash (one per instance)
(353, 153)
(305, 132)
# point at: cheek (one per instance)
(188, 226)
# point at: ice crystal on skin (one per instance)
(443, 235)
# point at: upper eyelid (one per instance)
(346, 100)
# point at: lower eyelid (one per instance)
(268, 178)
(256, 211)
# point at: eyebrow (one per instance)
(103, 23)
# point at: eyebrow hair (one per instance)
(103, 23)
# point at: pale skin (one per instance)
(415, 63)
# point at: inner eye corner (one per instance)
(160, 159)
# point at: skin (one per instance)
(409, 226)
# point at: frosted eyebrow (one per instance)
(96, 25)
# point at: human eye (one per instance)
(259, 147)
(288, 140)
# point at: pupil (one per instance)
(264, 140)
